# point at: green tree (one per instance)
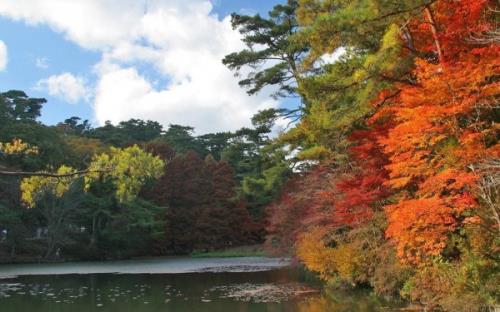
(271, 53)
(75, 125)
(58, 211)
(260, 163)
(15, 105)
(131, 229)
(13, 228)
(181, 139)
(128, 132)
(215, 143)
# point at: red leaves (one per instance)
(332, 198)
(203, 208)
(364, 189)
(427, 130)
(456, 22)
(303, 203)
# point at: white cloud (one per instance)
(3, 56)
(66, 86)
(181, 39)
(42, 62)
(92, 24)
(333, 57)
(123, 93)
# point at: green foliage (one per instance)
(126, 132)
(73, 126)
(130, 229)
(214, 143)
(359, 24)
(244, 251)
(181, 139)
(15, 105)
(52, 150)
(261, 166)
(260, 189)
(123, 200)
(58, 205)
(338, 96)
(271, 53)
(81, 150)
(11, 217)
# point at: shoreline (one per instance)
(170, 265)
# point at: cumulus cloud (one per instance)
(66, 86)
(182, 40)
(93, 24)
(3, 56)
(123, 93)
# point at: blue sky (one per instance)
(157, 61)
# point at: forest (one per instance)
(127, 190)
(387, 175)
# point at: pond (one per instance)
(174, 284)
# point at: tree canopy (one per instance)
(401, 111)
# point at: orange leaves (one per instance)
(448, 180)
(438, 119)
(443, 125)
(429, 126)
(420, 227)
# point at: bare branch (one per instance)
(488, 188)
(48, 174)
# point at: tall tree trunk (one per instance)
(50, 246)
(432, 22)
(94, 232)
(13, 250)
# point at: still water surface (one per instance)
(178, 284)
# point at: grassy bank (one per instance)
(243, 251)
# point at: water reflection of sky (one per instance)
(154, 266)
(275, 289)
(245, 291)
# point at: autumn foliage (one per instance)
(204, 212)
(443, 126)
(424, 117)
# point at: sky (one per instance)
(120, 59)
